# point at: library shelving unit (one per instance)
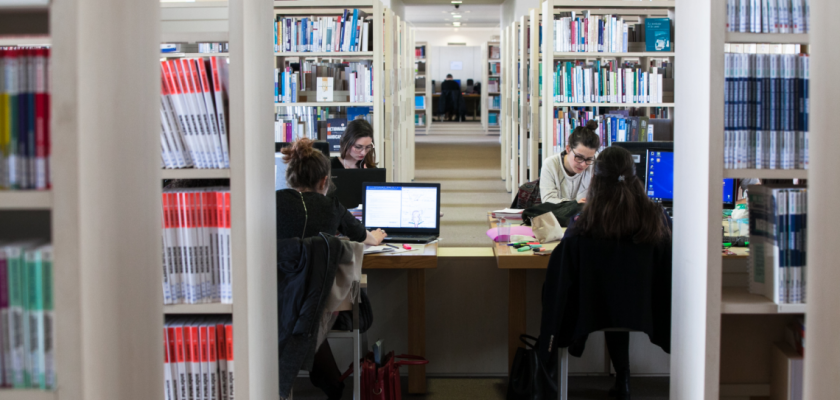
(308, 8)
(508, 117)
(728, 351)
(243, 25)
(490, 65)
(626, 9)
(422, 65)
(399, 100)
(406, 153)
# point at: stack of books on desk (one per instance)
(508, 213)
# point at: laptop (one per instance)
(408, 212)
(280, 165)
(349, 182)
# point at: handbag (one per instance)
(383, 382)
(546, 228)
(563, 211)
(527, 378)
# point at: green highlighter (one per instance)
(521, 249)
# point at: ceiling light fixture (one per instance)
(456, 15)
(456, 24)
(456, 2)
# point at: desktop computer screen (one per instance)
(659, 181)
(729, 191)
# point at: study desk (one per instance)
(468, 98)
(416, 263)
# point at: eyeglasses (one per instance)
(361, 148)
(581, 159)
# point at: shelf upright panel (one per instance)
(253, 231)
(485, 49)
(523, 148)
(381, 138)
(547, 113)
(534, 96)
(516, 44)
(505, 107)
(106, 201)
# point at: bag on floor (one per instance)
(383, 382)
(525, 381)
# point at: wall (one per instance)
(513, 9)
(442, 36)
(396, 6)
(441, 58)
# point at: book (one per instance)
(196, 246)
(325, 89)
(657, 34)
(420, 102)
(196, 361)
(25, 140)
(348, 32)
(587, 33)
(335, 130)
(768, 16)
(194, 131)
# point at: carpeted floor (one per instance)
(466, 162)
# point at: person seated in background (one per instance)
(304, 210)
(611, 271)
(566, 176)
(357, 150)
(449, 84)
(452, 104)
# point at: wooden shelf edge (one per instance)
(211, 308)
(193, 55)
(25, 200)
(25, 41)
(27, 394)
(739, 301)
(192, 173)
(771, 38)
(766, 173)
(325, 104)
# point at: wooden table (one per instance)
(517, 265)
(476, 98)
(416, 263)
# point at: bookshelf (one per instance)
(486, 94)
(732, 330)
(254, 310)
(407, 153)
(423, 66)
(628, 10)
(399, 58)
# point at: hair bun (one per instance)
(592, 124)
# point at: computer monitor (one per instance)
(659, 175)
(280, 165)
(639, 152)
(349, 184)
(407, 208)
(729, 196)
(459, 82)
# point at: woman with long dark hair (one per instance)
(357, 148)
(612, 269)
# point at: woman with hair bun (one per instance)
(304, 210)
(566, 176)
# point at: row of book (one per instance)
(419, 102)
(493, 118)
(493, 85)
(766, 111)
(495, 68)
(166, 48)
(294, 122)
(778, 217)
(196, 246)
(613, 126)
(194, 129)
(589, 34)
(579, 82)
(27, 316)
(420, 52)
(326, 82)
(198, 358)
(25, 138)
(768, 16)
(494, 102)
(349, 32)
(494, 52)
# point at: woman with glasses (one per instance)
(566, 176)
(356, 147)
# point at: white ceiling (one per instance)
(472, 15)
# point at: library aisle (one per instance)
(466, 161)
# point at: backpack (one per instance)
(563, 212)
(528, 195)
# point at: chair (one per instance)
(563, 366)
(470, 85)
(359, 340)
(452, 102)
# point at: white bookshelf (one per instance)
(407, 155)
(716, 314)
(428, 89)
(485, 93)
(635, 9)
(27, 40)
(324, 104)
(26, 200)
(209, 308)
(28, 394)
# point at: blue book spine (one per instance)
(353, 30)
(657, 34)
(341, 31)
(613, 130)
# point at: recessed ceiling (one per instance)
(448, 2)
(472, 15)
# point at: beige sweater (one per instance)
(557, 186)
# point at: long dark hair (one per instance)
(307, 166)
(616, 204)
(357, 129)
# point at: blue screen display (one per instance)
(660, 175)
(728, 191)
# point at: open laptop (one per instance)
(408, 212)
(349, 184)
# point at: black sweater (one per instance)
(323, 214)
(592, 284)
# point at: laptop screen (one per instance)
(402, 207)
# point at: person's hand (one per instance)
(582, 201)
(378, 235)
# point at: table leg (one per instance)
(417, 328)
(516, 310)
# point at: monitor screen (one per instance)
(279, 172)
(659, 174)
(729, 191)
(400, 206)
(459, 82)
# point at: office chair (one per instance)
(469, 86)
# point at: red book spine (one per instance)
(205, 366)
(196, 362)
(212, 359)
(184, 378)
(221, 348)
(229, 354)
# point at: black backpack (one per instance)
(563, 211)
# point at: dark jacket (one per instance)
(305, 275)
(452, 101)
(322, 214)
(592, 284)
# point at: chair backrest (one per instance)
(469, 88)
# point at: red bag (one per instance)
(383, 383)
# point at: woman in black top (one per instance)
(356, 147)
(611, 270)
(304, 211)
